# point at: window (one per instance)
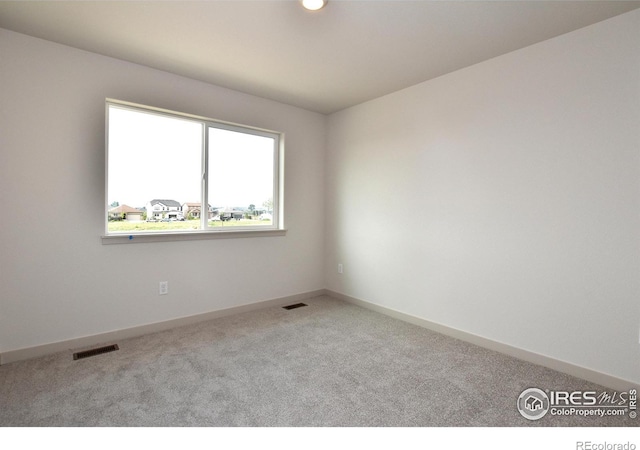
(174, 173)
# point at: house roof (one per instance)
(165, 202)
(231, 210)
(124, 209)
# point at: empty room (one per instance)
(371, 214)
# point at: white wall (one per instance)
(503, 199)
(57, 281)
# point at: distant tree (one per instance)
(115, 204)
(268, 204)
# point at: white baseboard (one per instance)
(593, 376)
(110, 337)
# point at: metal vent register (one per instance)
(297, 305)
(95, 351)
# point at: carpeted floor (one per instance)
(328, 364)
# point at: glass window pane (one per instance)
(154, 171)
(240, 178)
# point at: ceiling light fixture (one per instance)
(314, 5)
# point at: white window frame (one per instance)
(205, 231)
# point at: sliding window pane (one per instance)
(240, 178)
(154, 172)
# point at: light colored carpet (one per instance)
(328, 364)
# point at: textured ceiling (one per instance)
(347, 53)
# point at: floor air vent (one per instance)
(95, 351)
(297, 305)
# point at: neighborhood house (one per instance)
(164, 209)
(191, 210)
(125, 212)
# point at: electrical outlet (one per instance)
(164, 287)
(340, 268)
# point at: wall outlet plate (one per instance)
(164, 288)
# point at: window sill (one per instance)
(190, 236)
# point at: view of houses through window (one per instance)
(161, 167)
